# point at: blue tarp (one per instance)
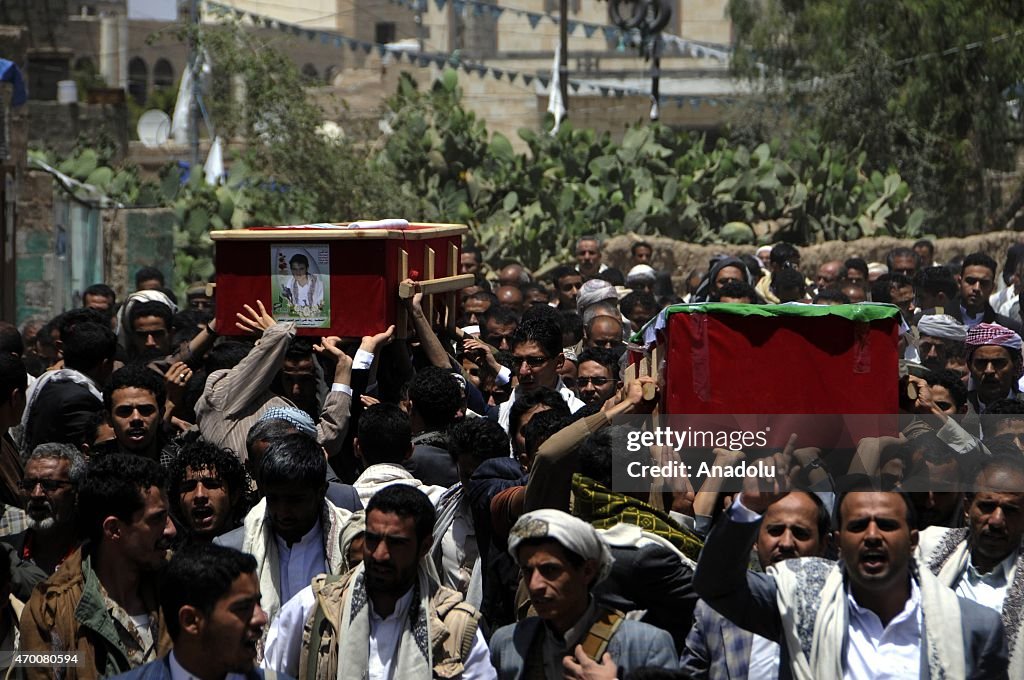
(9, 72)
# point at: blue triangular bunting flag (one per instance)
(527, 79)
(543, 81)
(589, 30)
(610, 33)
(440, 4)
(381, 50)
(572, 26)
(534, 19)
(574, 85)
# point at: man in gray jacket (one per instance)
(562, 559)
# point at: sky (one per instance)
(161, 10)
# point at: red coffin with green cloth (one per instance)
(779, 359)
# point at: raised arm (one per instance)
(722, 579)
(233, 393)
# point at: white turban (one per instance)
(593, 291)
(641, 272)
(570, 532)
(133, 299)
(942, 326)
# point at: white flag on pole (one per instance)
(180, 119)
(213, 171)
(556, 107)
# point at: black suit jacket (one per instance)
(656, 579)
(432, 465)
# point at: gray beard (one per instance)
(41, 524)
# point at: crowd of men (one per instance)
(182, 500)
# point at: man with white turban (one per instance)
(940, 337)
(562, 558)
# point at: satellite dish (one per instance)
(154, 128)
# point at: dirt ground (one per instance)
(681, 258)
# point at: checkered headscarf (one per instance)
(993, 334)
(297, 417)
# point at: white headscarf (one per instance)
(595, 290)
(641, 272)
(570, 532)
(942, 326)
(132, 300)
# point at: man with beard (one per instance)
(940, 338)
(53, 475)
(984, 562)
(797, 525)
(210, 599)
(101, 603)
(294, 531)
(207, 486)
(562, 559)
(875, 609)
(597, 378)
(994, 361)
(382, 638)
(134, 402)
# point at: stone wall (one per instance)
(58, 126)
(36, 261)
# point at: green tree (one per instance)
(920, 85)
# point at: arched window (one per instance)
(163, 75)
(138, 80)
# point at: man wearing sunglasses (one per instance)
(536, 358)
(49, 493)
(597, 378)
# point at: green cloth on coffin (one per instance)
(865, 311)
(602, 508)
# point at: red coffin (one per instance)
(796, 360)
(364, 269)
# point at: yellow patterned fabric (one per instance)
(603, 509)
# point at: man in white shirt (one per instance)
(210, 599)
(983, 561)
(294, 532)
(872, 615)
(536, 358)
(364, 619)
